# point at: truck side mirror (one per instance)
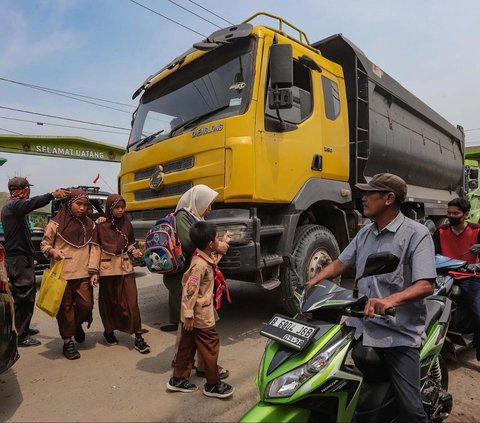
(281, 77)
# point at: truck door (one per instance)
(285, 157)
(314, 140)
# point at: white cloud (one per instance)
(26, 42)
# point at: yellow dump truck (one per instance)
(282, 129)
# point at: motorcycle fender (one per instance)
(263, 412)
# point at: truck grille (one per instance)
(167, 191)
(230, 261)
(175, 166)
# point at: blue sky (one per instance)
(106, 49)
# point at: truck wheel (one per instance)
(314, 247)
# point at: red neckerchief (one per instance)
(220, 282)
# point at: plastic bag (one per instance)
(52, 289)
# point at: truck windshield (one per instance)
(218, 84)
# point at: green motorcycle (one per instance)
(307, 374)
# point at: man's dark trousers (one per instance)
(403, 365)
(21, 273)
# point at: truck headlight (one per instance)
(239, 232)
(286, 384)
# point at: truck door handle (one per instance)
(317, 162)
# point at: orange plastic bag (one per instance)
(52, 289)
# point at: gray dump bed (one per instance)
(391, 130)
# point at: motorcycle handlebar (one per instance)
(392, 311)
(359, 313)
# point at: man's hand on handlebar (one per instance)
(379, 306)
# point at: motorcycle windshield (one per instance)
(447, 263)
(327, 294)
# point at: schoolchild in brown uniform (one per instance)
(111, 265)
(67, 236)
(198, 318)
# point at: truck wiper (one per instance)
(196, 119)
(146, 139)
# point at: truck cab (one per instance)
(282, 129)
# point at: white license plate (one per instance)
(293, 327)
(292, 333)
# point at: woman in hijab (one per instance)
(110, 263)
(67, 236)
(192, 207)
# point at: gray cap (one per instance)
(385, 182)
(18, 182)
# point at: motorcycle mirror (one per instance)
(380, 263)
(377, 264)
(475, 249)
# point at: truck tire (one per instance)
(314, 247)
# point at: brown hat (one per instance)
(385, 182)
(18, 182)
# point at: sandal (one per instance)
(224, 373)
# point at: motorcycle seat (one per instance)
(435, 308)
(369, 363)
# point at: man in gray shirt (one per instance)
(397, 340)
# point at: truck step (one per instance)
(270, 230)
(269, 260)
(270, 284)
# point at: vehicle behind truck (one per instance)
(282, 129)
(472, 187)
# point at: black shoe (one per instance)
(28, 342)
(181, 384)
(141, 345)
(79, 334)
(110, 338)
(169, 328)
(33, 332)
(70, 352)
(220, 390)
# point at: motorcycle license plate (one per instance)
(292, 333)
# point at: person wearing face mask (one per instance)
(20, 253)
(454, 240)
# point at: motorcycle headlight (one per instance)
(286, 384)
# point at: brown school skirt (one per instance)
(117, 303)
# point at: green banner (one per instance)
(61, 147)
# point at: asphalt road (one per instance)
(119, 384)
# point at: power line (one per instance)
(472, 129)
(61, 126)
(12, 132)
(64, 118)
(59, 93)
(209, 11)
(66, 92)
(167, 18)
(193, 13)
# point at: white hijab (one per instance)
(196, 200)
